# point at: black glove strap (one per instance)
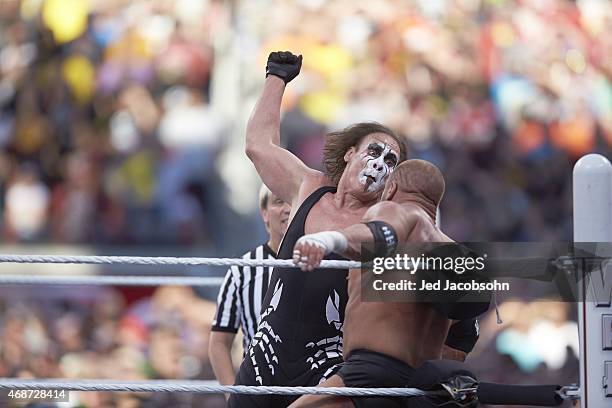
(274, 69)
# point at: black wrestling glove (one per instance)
(284, 65)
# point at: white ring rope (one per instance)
(109, 280)
(158, 260)
(207, 387)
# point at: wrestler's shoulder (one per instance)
(312, 181)
(414, 210)
(404, 209)
(385, 210)
(412, 215)
(387, 206)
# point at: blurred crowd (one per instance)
(536, 343)
(106, 130)
(108, 134)
(164, 336)
(111, 133)
(503, 95)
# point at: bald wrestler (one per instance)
(384, 341)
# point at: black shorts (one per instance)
(289, 373)
(369, 369)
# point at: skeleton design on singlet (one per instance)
(328, 347)
(300, 332)
(321, 350)
(265, 338)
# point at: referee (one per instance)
(243, 290)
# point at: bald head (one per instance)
(421, 178)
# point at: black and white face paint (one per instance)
(380, 162)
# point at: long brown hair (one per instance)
(337, 144)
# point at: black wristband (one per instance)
(274, 69)
(385, 237)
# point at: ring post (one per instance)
(593, 223)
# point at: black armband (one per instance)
(385, 237)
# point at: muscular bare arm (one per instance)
(279, 169)
(310, 249)
(386, 211)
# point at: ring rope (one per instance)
(159, 260)
(177, 385)
(109, 280)
(207, 387)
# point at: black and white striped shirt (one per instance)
(241, 294)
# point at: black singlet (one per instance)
(299, 339)
(306, 294)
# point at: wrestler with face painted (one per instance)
(299, 339)
(380, 161)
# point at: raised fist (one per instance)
(284, 65)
